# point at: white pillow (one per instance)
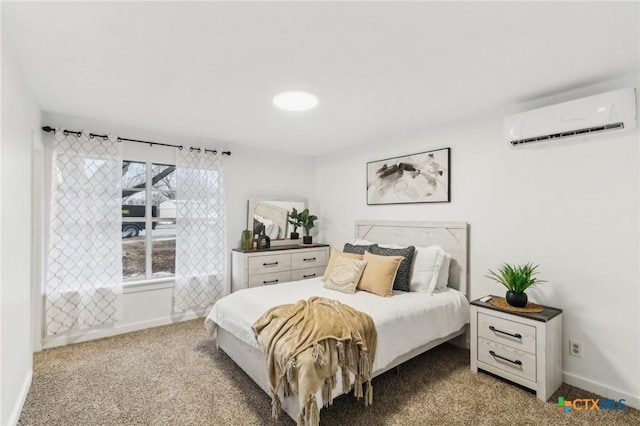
(427, 262)
(359, 242)
(443, 276)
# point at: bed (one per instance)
(408, 323)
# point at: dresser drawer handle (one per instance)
(309, 276)
(311, 259)
(517, 335)
(516, 362)
(270, 282)
(270, 264)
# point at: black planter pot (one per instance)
(518, 300)
(294, 235)
(307, 239)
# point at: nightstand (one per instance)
(525, 348)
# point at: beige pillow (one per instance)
(335, 255)
(345, 275)
(379, 274)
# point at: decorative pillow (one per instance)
(335, 255)
(350, 248)
(345, 275)
(427, 262)
(403, 276)
(443, 276)
(379, 274)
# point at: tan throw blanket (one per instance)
(305, 343)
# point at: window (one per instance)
(148, 220)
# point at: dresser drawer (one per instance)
(308, 259)
(506, 358)
(266, 279)
(307, 273)
(269, 264)
(510, 333)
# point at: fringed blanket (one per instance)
(305, 343)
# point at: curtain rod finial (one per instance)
(48, 129)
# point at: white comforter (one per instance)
(404, 321)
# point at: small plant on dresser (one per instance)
(307, 222)
(294, 220)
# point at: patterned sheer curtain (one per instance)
(84, 271)
(200, 230)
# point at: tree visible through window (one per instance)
(148, 220)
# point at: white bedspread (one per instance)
(404, 321)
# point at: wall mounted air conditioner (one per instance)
(607, 112)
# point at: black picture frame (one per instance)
(423, 177)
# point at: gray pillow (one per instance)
(350, 248)
(403, 276)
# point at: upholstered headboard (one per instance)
(451, 236)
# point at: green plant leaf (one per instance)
(516, 278)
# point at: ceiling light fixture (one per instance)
(295, 101)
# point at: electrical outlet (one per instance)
(575, 348)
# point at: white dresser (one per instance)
(525, 348)
(252, 268)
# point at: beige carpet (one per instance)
(173, 375)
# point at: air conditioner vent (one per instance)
(578, 132)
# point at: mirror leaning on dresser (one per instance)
(271, 213)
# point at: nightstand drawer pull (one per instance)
(270, 282)
(517, 335)
(309, 276)
(270, 264)
(516, 362)
(310, 259)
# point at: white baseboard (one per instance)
(102, 332)
(22, 397)
(600, 389)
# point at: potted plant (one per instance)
(516, 279)
(307, 222)
(294, 220)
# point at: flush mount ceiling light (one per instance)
(295, 101)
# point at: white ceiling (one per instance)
(380, 70)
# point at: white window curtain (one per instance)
(84, 268)
(200, 230)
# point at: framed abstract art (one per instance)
(415, 178)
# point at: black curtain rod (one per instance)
(105, 137)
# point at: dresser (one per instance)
(252, 268)
(525, 348)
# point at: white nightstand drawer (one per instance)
(517, 362)
(307, 273)
(266, 279)
(269, 264)
(517, 335)
(308, 259)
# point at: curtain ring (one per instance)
(181, 147)
(91, 135)
(119, 139)
(190, 149)
(105, 138)
(66, 132)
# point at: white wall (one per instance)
(572, 207)
(20, 125)
(248, 171)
